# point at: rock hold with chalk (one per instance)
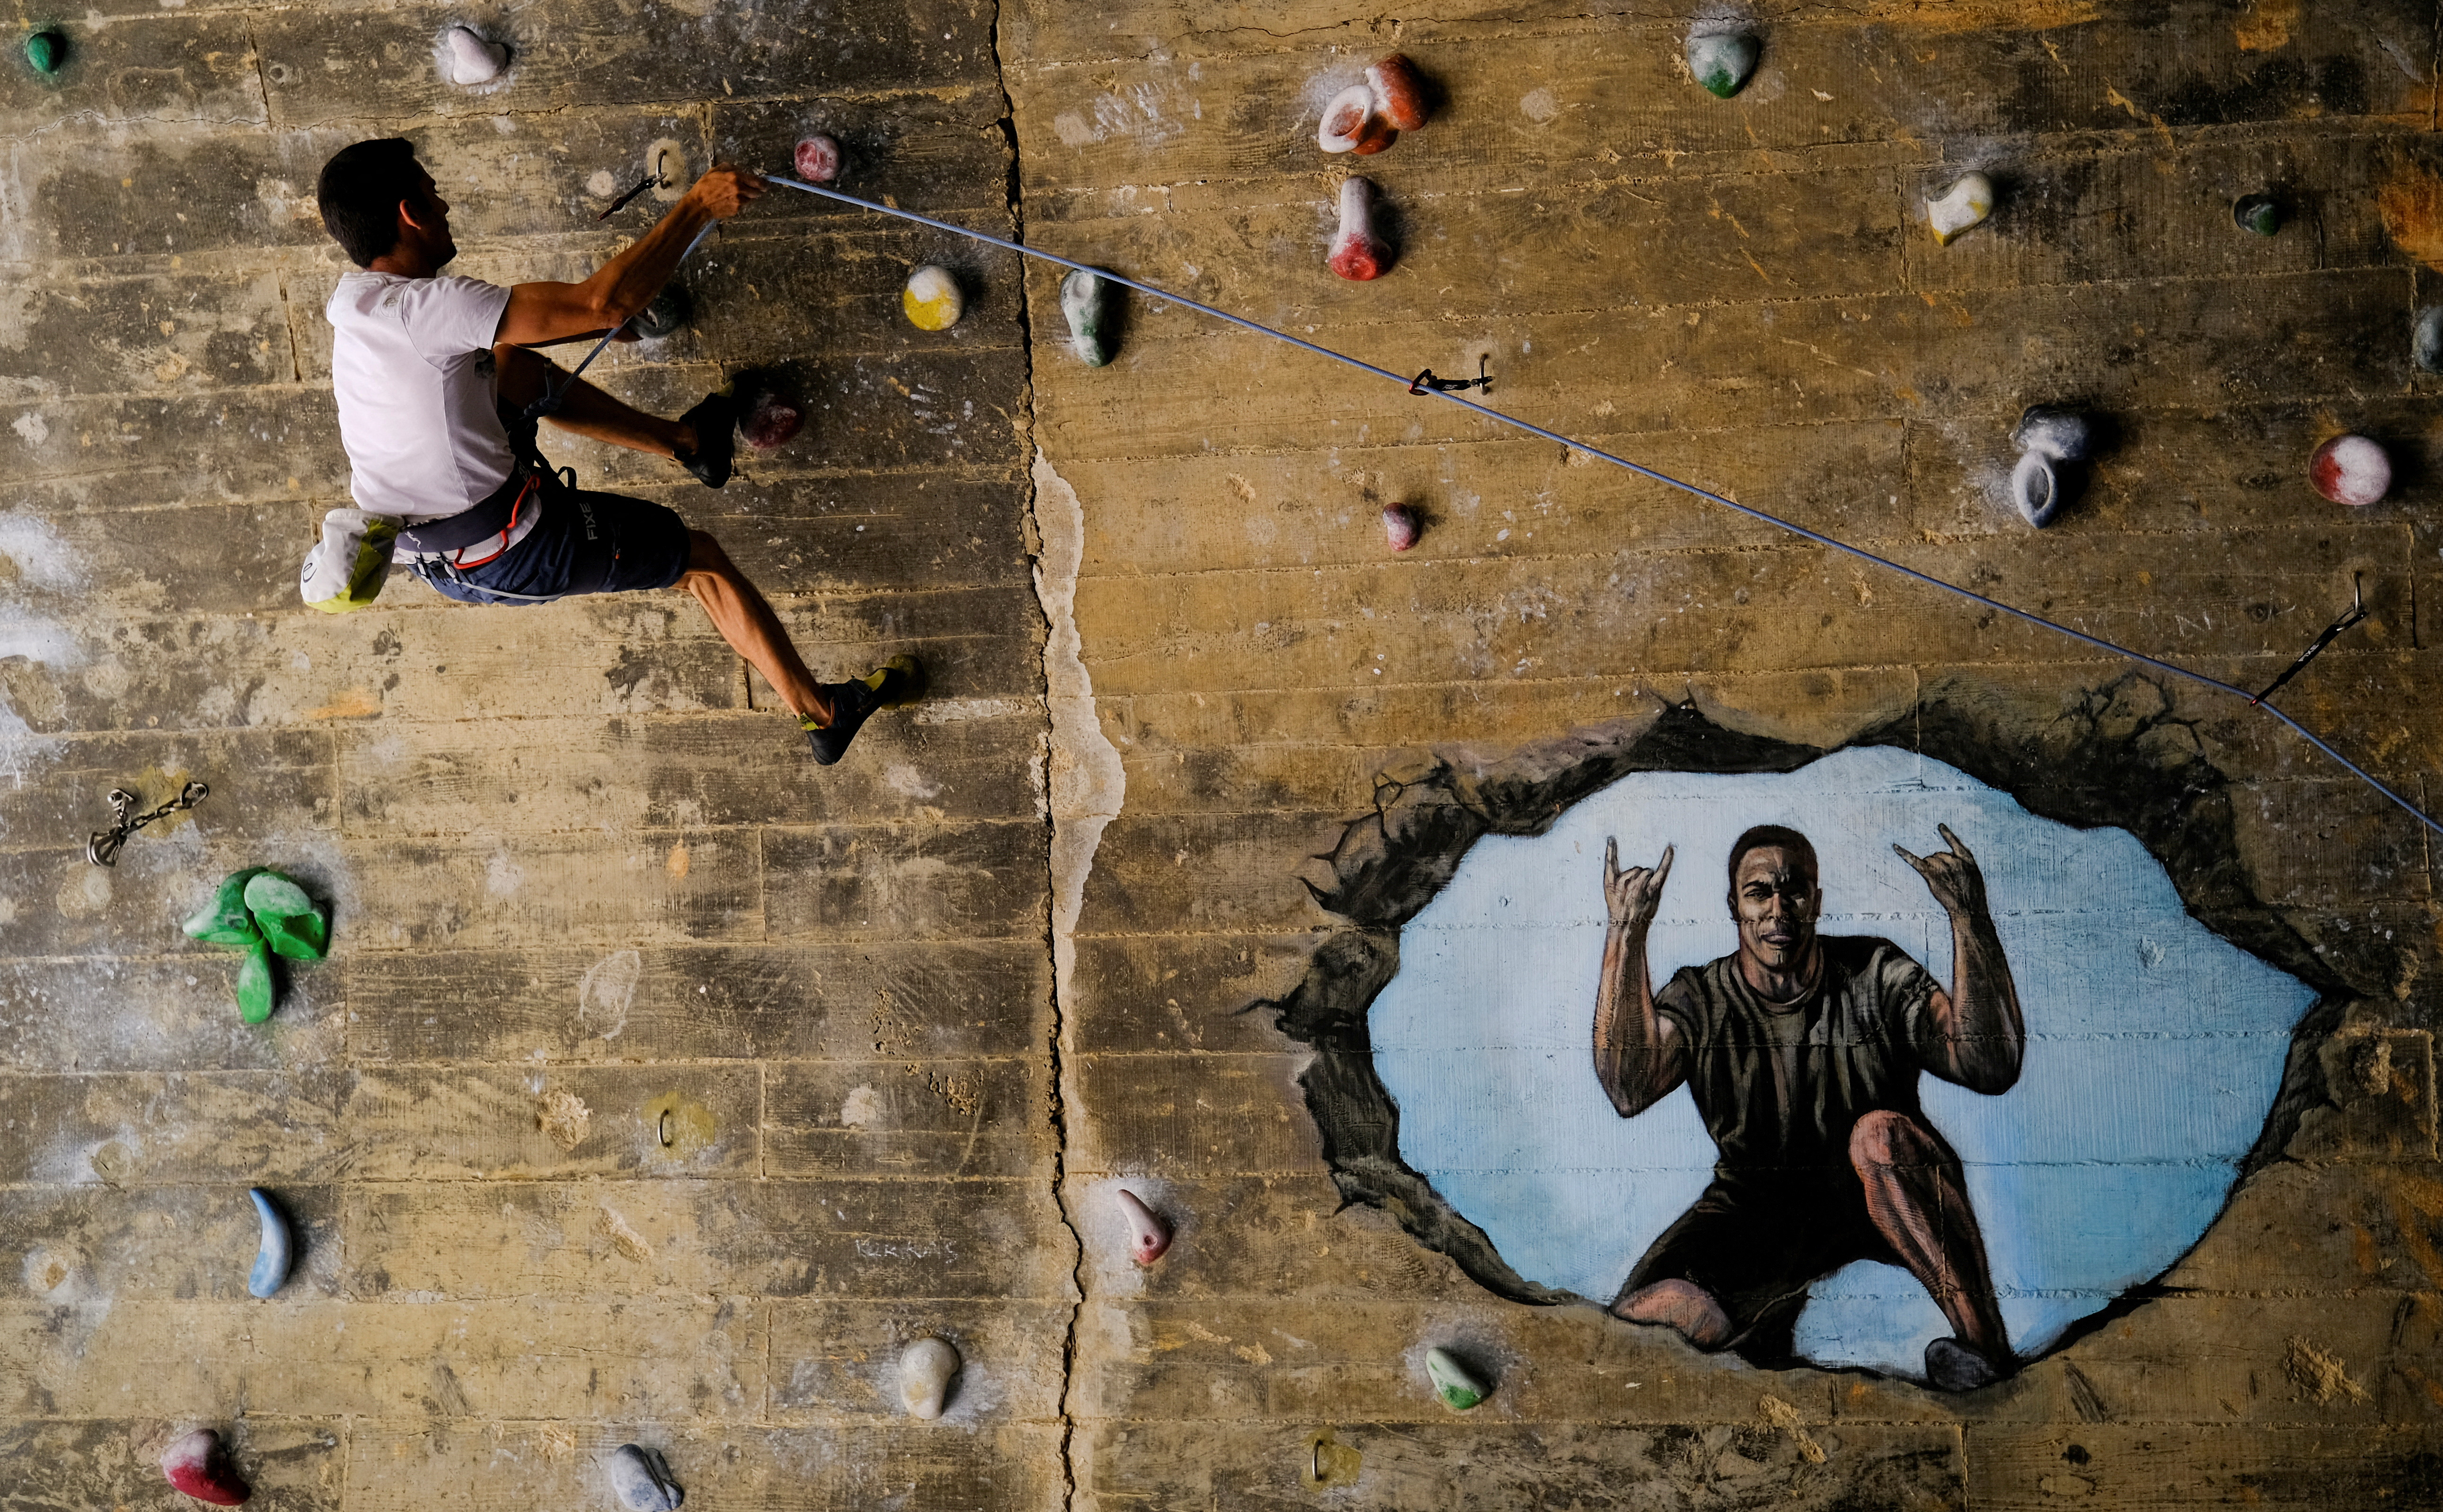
(640, 1478)
(926, 1368)
(1357, 252)
(1148, 1237)
(470, 59)
(198, 1466)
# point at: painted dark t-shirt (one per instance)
(1780, 1086)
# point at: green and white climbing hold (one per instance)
(2260, 213)
(1085, 302)
(269, 892)
(1721, 60)
(254, 984)
(1453, 1383)
(298, 937)
(46, 51)
(224, 921)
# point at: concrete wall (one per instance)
(932, 1005)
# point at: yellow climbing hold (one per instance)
(932, 299)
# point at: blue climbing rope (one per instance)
(1451, 396)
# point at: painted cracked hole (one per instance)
(2164, 1000)
(2153, 1048)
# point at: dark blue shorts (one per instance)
(583, 543)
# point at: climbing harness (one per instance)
(1764, 517)
(103, 846)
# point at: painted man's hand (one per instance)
(726, 190)
(1951, 876)
(1633, 896)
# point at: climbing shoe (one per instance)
(1951, 1366)
(894, 684)
(715, 420)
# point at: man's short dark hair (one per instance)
(1772, 835)
(359, 192)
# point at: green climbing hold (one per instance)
(2261, 214)
(1458, 1389)
(271, 894)
(298, 937)
(46, 50)
(254, 984)
(224, 921)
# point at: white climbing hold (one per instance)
(1968, 199)
(1086, 303)
(2063, 435)
(641, 1480)
(1356, 251)
(1148, 1237)
(1453, 1382)
(2036, 489)
(2351, 470)
(471, 58)
(1344, 121)
(925, 1371)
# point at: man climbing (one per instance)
(1803, 1054)
(437, 390)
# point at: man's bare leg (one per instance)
(747, 623)
(1683, 1305)
(585, 410)
(1919, 1203)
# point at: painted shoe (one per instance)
(1951, 1366)
(715, 422)
(894, 684)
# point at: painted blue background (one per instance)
(2153, 1050)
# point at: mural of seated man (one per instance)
(1803, 1054)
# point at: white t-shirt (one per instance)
(411, 367)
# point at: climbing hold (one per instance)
(196, 1465)
(1148, 1237)
(269, 892)
(224, 921)
(2063, 435)
(1345, 119)
(1401, 527)
(932, 299)
(817, 159)
(925, 1371)
(271, 1257)
(664, 315)
(2426, 338)
(1356, 251)
(2261, 214)
(2036, 489)
(1968, 199)
(640, 1478)
(297, 936)
(2350, 470)
(769, 417)
(1721, 60)
(1399, 91)
(254, 983)
(1083, 300)
(469, 58)
(1453, 1383)
(46, 51)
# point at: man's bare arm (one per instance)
(1978, 1038)
(1638, 1057)
(542, 314)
